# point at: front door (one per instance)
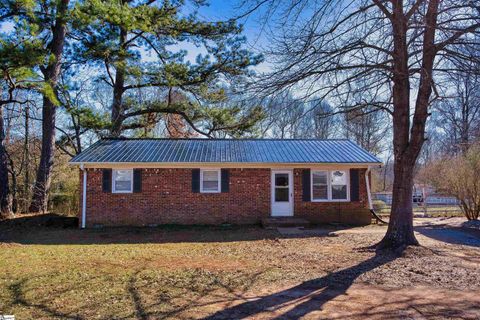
(282, 193)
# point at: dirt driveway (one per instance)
(238, 273)
(415, 288)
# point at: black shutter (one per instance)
(225, 180)
(107, 180)
(354, 185)
(196, 180)
(137, 180)
(306, 185)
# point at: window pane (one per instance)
(320, 185)
(339, 192)
(320, 192)
(281, 194)
(281, 179)
(122, 185)
(319, 177)
(210, 185)
(123, 180)
(210, 175)
(339, 178)
(123, 175)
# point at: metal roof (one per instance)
(124, 150)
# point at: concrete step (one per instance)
(284, 222)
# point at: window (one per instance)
(329, 185)
(282, 188)
(122, 181)
(339, 185)
(209, 181)
(319, 185)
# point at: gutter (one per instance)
(84, 196)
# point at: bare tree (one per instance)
(283, 115)
(459, 115)
(367, 129)
(289, 117)
(394, 50)
(317, 122)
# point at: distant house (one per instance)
(215, 181)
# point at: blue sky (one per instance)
(218, 10)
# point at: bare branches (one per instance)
(382, 8)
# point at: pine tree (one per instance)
(117, 35)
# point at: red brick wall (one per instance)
(355, 212)
(167, 198)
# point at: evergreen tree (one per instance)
(118, 35)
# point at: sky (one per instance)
(218, 10)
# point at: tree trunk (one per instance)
(26, 162)
(5, 208)
(42, 183)
(51, 74)
(118, 89)
(408, 140)
(400, 227)
(14, 189)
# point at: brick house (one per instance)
(214, 181)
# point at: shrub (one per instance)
(379, 205)
(458, 176)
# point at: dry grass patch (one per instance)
(191, 273)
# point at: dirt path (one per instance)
(358, 302)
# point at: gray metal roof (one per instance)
(224, 150)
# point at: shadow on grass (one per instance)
(191, 298)
(39, 229)
(306, 297)
(181, 305)
(18, 294)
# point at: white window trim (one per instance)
(114, 173)
(329, 185)
(219, 173)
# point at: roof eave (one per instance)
(222, 164)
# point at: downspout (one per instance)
(369, 196)
(367, 181)
(84, 196)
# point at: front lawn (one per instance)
(191, 273)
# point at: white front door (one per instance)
(282, 193)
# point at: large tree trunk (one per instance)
(408, 140)
(118, 90)
(51, 74)
(42, 183)
(5, 208)
(400, 227)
